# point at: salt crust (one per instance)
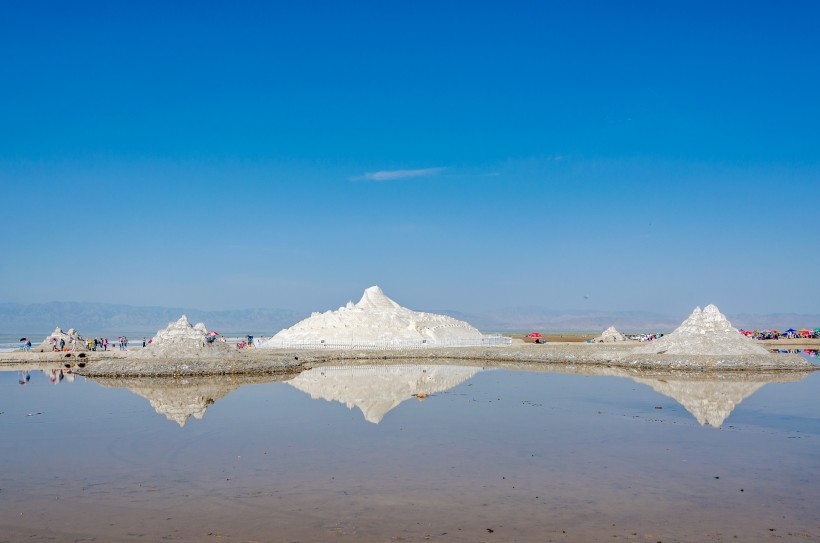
(610, 335)
(706, 332)
(374, 318)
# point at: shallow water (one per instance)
(351, 455)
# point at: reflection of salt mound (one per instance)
(375, 390)
(710, 402)
(57, 335)
(376, 320)
(610, 335)
(179, 400)
(180, 339)
(705, 332)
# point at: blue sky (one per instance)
(601, 155)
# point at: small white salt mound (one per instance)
(375, 390)
(376, 319)
(180, 339)
(706, 332)
(58, 334)
(610, 335)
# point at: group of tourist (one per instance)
(247, 341)
(96, 343)
(59, 345)
(646, 337)
(791, 333)
(91, 344)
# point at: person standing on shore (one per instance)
(28, 345)
(105, 344)
(143, 342)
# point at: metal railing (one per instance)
(389, 344)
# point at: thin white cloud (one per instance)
(393, 175)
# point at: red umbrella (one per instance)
(534, 335)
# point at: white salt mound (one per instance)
(706, 332)
(181, 339)
(610, 335)
(375, 319)
(57, 335)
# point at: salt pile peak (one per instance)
(610, 335)
(375, 319)
(374, 298)
(706, 332)
(179, 338)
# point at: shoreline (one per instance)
(275, 361)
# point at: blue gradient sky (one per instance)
(651, 155)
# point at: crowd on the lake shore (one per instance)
(791, 333)
(59, 344)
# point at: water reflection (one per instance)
(55, 375)
(375, 390)
(710, 397)
(182, 398)
(709, 401)
(810, 354)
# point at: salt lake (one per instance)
(411, 453)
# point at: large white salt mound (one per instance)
(73, 340)
(375, 390)
(181, 339)
(376, 320)
(610, 335)
(706, 332)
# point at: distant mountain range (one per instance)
(528, 319)
(110, 319)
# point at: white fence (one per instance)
(390, 345)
